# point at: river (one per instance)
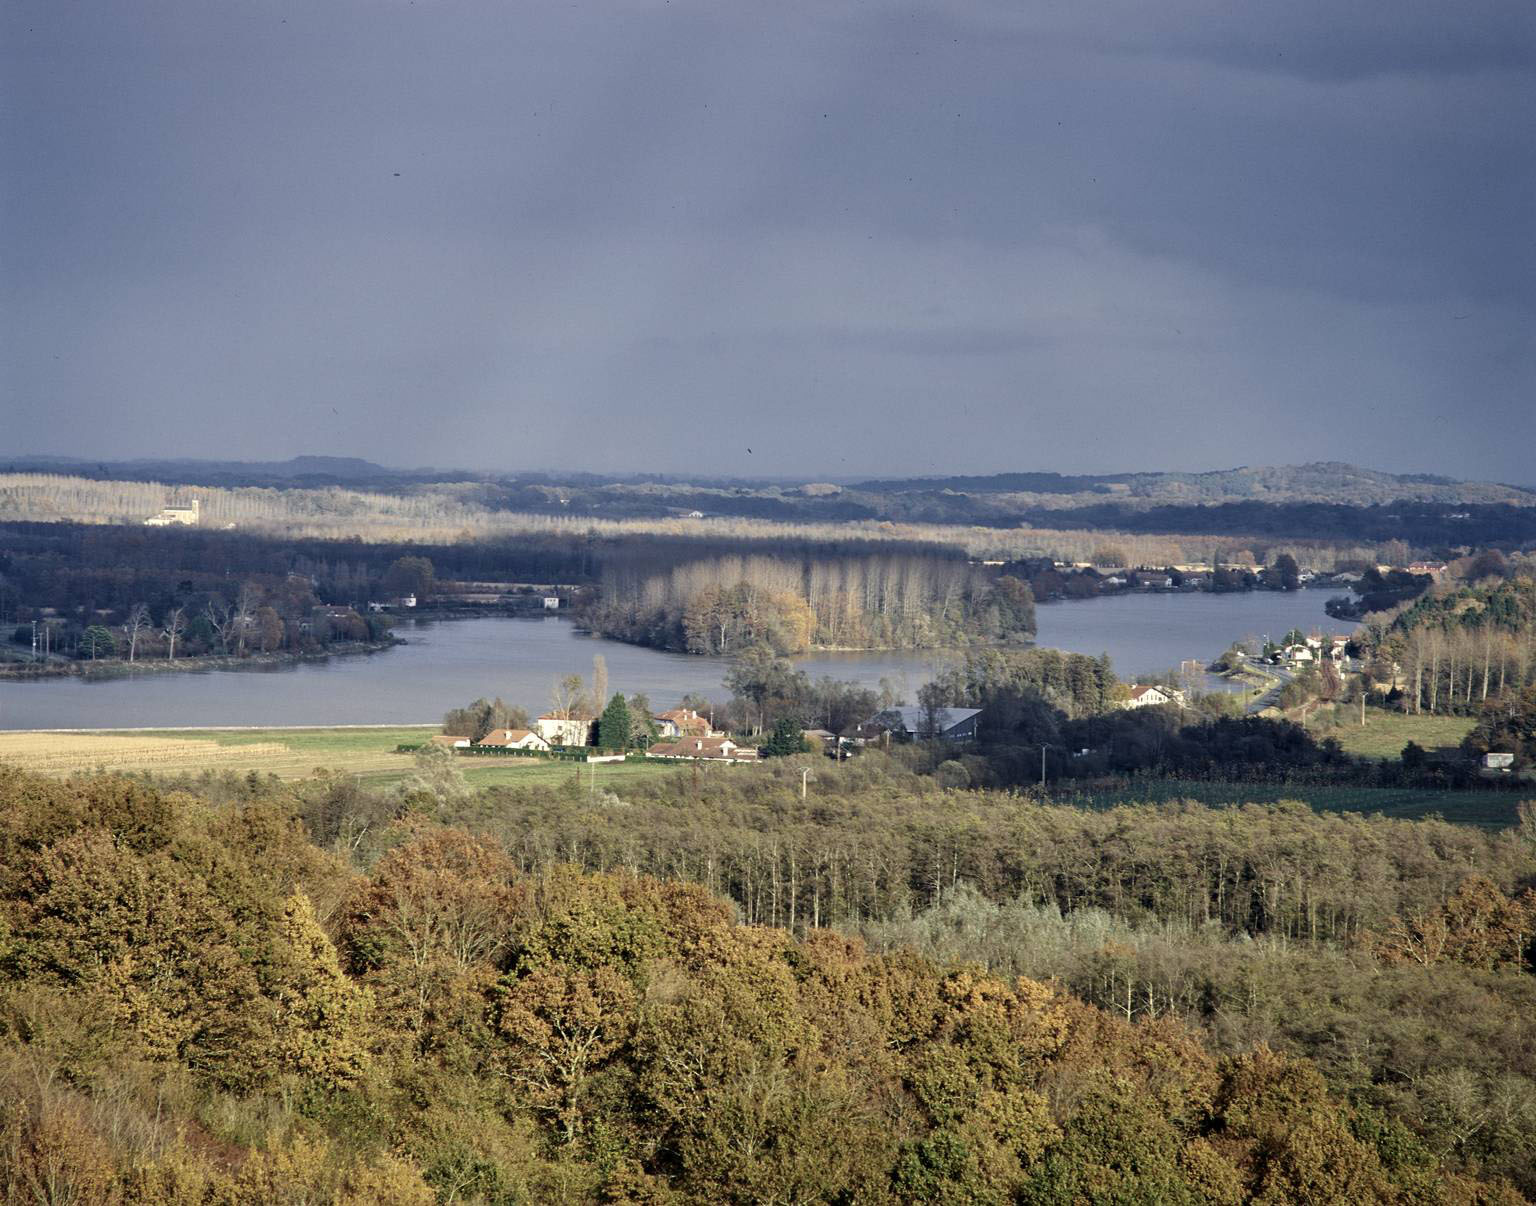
(447, 663)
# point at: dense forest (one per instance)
(262, 993)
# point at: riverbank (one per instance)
(113, 668)
(444, 665)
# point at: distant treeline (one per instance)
(113, 567)
(1428, 525)
(700, 595)
(533, 510)
(721, 599)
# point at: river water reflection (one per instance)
(449, 663)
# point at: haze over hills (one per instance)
(1322, 500)
(1316, 481)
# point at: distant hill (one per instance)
(998, 483)
(1319, 481)
(299, 470)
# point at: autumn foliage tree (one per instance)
(197, 1005)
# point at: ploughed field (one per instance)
(287, 753)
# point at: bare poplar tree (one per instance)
(137, 624)
(244, 611)
(217, 613)
(599, 682)
(175, 625)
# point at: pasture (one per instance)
(1386, 733)
(286, 753)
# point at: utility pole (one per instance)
(1043, 748)
(805, 774)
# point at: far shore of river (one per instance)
(108, 668)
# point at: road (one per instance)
(1269, 698)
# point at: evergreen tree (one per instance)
(786, 739)
(97, 641)
(613, 727)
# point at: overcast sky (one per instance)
(784, 239)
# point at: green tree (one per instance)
(1287, 572)
(786, 739)
(97, 641)
(1014, 604)
(613, 727)
(409, 576)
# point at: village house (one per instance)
(449, 741)
(1150, 695)
(572, 729)
(683, 722)
(515, 739)
(718, 749)
(907, 723)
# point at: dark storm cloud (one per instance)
(954, 237)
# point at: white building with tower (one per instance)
(187, 515)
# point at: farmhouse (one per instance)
(449, 741)
(719, 749)
(515, 739)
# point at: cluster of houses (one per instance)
(684, 732)
(1311, 650)
(687, 735)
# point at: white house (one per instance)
(175, 515)
(564, 730)
(515, 739)
(1149, 695)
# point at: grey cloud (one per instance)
(1096, 236)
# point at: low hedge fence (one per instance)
(557, 754)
